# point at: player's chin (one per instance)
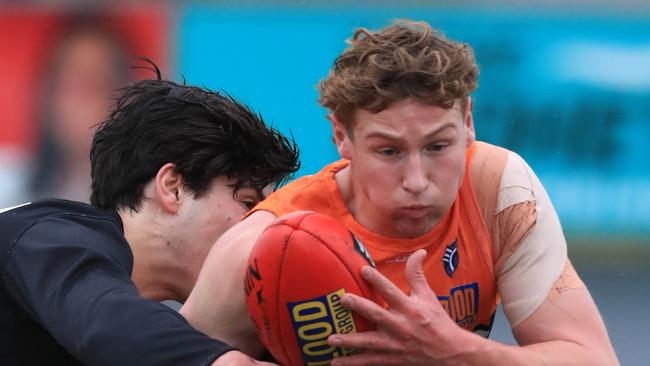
(412, 227)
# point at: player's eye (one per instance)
(249, 203)
(388, 151)
(436, 147)
(247, 197)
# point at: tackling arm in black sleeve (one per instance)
(72, 275)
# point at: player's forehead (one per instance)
(407, 117)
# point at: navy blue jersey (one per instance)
(67, 297)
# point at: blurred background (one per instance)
(566, 84)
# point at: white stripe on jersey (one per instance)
(12, 207)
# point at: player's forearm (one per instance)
(562, 352)
(557, 352)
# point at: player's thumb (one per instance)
(415, 274)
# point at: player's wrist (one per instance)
(469, 348)
(476, 350)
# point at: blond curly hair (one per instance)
(406, 59)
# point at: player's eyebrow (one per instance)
(390, 136)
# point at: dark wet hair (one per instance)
(203, 133)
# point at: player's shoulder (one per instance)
(493, 166)
(315, 192)
(322, 177)
(488, 158)
(486, 170)
(500, 179)
(55, 213)
(60, 228)
(53, 207)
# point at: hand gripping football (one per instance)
(298, 270)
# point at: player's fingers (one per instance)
(415, 275)
(395, 298)
(381, 317)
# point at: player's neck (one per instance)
(352, 201)
(156, 270)
(344, 184)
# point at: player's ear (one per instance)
(341, 137)
(169, 184)
(470, 133)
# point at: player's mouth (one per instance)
(417, 211)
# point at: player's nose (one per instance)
(414, 177)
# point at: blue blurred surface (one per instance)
(570, 94)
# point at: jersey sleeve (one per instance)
(71, 274)
(530, 247)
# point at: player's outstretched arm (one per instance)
(567, 328)
(217, 304)
(416, 330)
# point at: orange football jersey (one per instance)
(459, 264)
